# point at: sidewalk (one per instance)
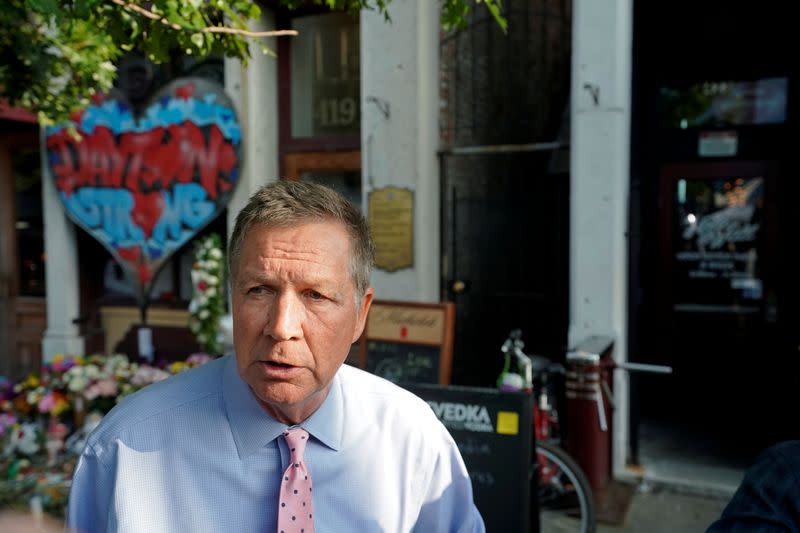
(667, 509)
(654, 508)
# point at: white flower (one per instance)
(24, 440)
(211, 291)
(215, 253)
(77, 383)
(92, 371)
(203, 314)
(213, 280)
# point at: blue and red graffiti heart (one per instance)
(144, 186)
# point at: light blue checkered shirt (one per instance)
(197, 453)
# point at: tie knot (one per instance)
(296, 439)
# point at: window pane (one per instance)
(325, 76)
(30, 228)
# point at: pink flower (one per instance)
(47, 403)
(104, 387)
(198, 359)
(146, 375)
(6, 420)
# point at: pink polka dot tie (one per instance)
(294, 511)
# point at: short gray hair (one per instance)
(287, 203)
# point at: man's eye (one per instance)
(257, 290)
(314, 295)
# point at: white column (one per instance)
(600, 143)
(400, 68)
(62, 277)
(254, 91)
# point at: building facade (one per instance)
(569, 222)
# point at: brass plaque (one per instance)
(391, 219)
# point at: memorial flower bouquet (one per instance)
(45, 419)
(208, 303)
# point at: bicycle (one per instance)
(564, 494)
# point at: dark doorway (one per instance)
(504, 190)
(506, 237)
(730, 341)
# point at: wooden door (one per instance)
(23, 309)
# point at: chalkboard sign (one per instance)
(493, 431)
(409, 342)
(413, 363)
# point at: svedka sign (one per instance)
(460, 416)
(144, 186)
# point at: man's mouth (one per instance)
(281, 365)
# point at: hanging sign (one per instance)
(391, 220)
(145, 185)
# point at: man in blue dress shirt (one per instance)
(203, 451)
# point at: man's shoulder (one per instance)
(779, 461)
(787, 451)
(381, 395)
(160, 400)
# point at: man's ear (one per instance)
(363, 311)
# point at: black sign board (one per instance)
(401, 362)
(494, 432)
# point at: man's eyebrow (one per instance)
(245, 278)
(321, 282)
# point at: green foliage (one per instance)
(55, 54)
(454, 13)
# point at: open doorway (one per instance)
(715, 320)
(714, 89)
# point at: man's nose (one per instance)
(286, 317)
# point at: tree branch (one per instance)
(210, 29)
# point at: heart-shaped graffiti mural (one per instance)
(144, 186)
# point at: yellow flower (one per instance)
(32, 381)
(177, 366)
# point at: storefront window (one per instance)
(325, 76)
(26, 166)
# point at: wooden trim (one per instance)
(296, 163)
(446, 345)
(9, 278)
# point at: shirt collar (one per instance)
(253, 428)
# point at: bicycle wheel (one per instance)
(565, 496)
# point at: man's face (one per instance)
(294, 314)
